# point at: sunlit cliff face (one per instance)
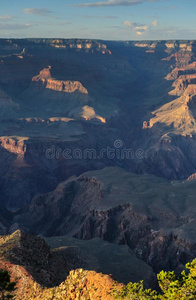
(48, 82)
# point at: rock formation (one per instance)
(58, 96)
(41, 272)
(142, 212)
(45, 79)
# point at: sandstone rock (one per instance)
(45, 79)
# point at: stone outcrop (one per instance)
(65, 86)
(87, 285)
(176, 117)
(182, 83)
(177, 72)
(192, 177)
(44, 79)
(87, 113)
(44, 266)
(181, 58)
(14, 145)
(191, 89)
(172, 125)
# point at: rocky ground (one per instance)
(41, 273)
(59, 95)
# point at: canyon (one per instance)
(60, 98)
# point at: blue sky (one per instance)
(99, 19)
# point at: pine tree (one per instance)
(6, 286)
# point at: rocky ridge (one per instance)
(170, 125)
(48, 268)
(42, 273)
(149, 215)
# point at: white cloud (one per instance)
(140, 33)
(140, 29)
(132, 24)
(36, 11)
(155, 23)
(113, 3)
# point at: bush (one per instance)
(172, 287)
(6, 286)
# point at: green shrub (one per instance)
(172, 287)
(6, 286)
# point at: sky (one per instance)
(99, 19)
